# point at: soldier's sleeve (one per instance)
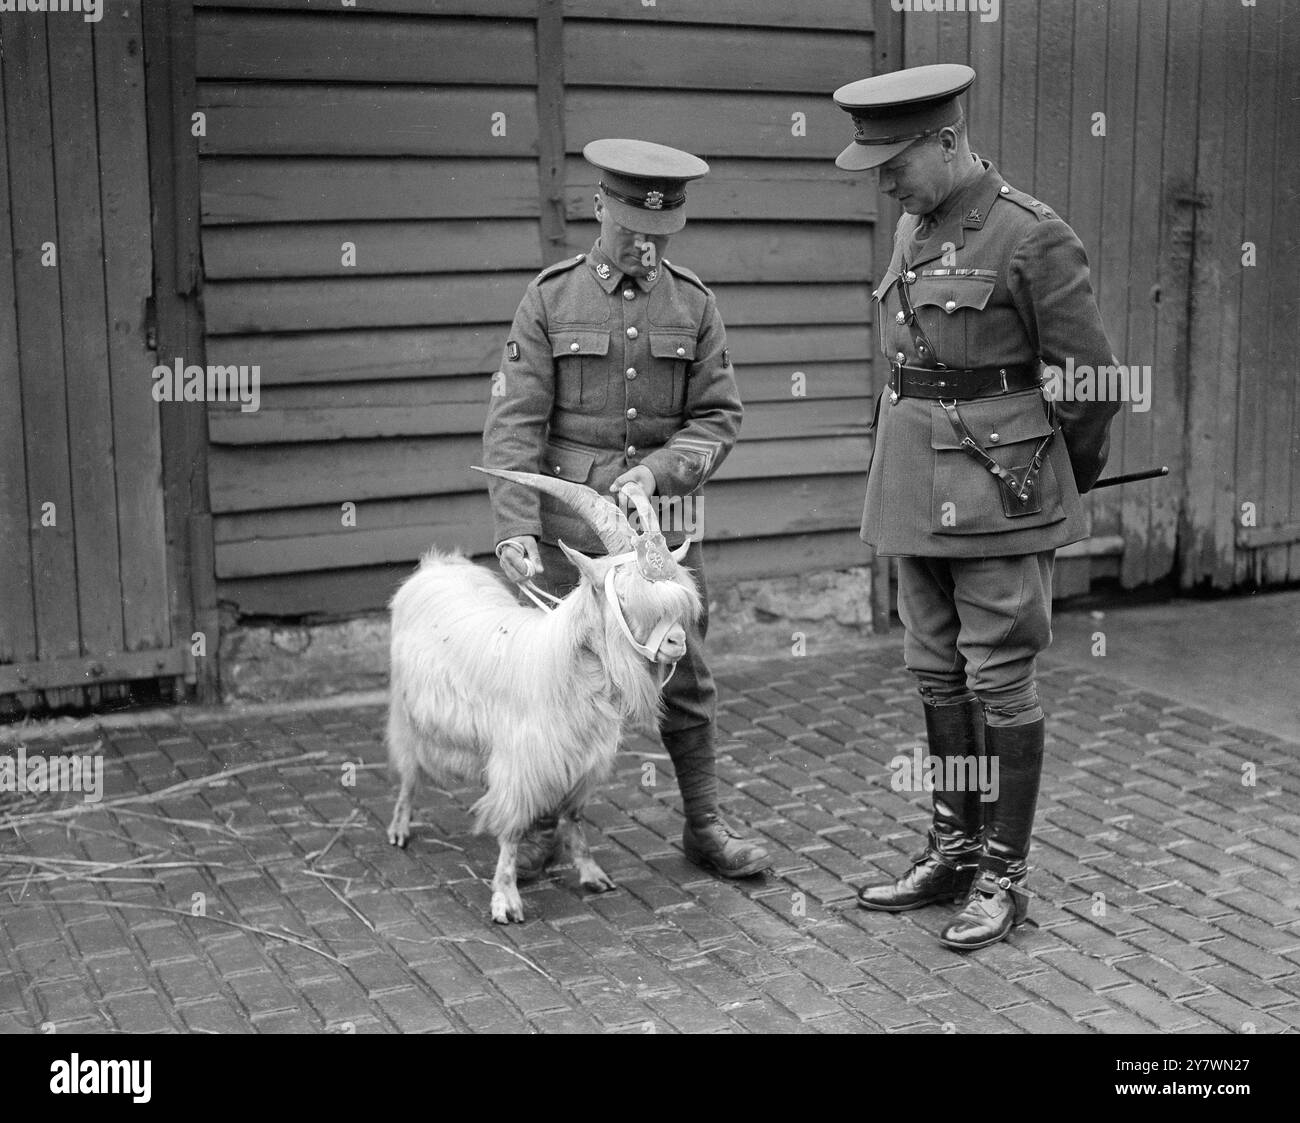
(712, 415)
(518, 410)
(1052, 287)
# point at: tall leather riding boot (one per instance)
(998, 900)
(708, 839)
(944, 871)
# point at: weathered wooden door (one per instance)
(85, 597)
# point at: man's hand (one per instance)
(519, 559)
(639, 475)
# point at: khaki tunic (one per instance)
(999, 280)
(601, 373)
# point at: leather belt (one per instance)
(961, 383)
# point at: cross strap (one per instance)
(1019, 488)
(920, 340)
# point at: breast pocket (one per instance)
(565, 462)
(672, 352)
(956, 298)
(967, 497)
(581, 369)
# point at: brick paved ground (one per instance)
(1168, 889)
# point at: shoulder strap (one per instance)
(560, 267)
(685, 274)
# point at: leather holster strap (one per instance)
(961, 383)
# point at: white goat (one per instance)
(534, 702)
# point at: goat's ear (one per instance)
(584, 565)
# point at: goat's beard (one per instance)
(638, 681)
(634, 681)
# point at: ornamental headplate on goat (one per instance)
(654, 560)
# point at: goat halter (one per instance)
(649, 649)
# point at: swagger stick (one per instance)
(1131, 477)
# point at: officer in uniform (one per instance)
(616, 371)
(975, 476)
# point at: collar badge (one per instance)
(602, 271)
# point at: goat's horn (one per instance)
(649, 520)
(602, 515)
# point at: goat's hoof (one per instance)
(504, 910)
(597, 881)
(399, 838)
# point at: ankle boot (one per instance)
(934, 878)
(945, 870)
(708, 839)
(999, 900)
(712, 843)
(994, 906)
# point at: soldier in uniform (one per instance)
(616, 371)
(975, 475)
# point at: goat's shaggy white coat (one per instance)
(533, 703)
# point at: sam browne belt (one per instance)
(1018, 484)
(961, 383)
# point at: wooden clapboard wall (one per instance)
(86, 594)
(1202, 126)
(373, 127)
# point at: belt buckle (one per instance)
(895, 381)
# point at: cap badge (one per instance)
(654, 201)
(602, 271)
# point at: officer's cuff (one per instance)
(669, 482)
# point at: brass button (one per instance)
(631, 372)
(631, 414)
(909, 277)
(994, 438)
(631, 333)
(629, 294)
(893, 397)
(574, 346)
(681, 351)
(557, 469)
(631, 450)
(901, 317)
(901, 356)
(950, 306)
(1005, 189)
